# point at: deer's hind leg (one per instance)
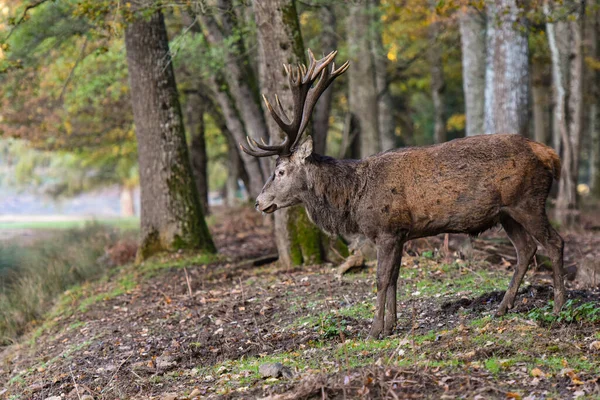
(525, 247)
(537, 225)
(389, 253)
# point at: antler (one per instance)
(305, 96)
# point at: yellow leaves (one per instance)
(513, 395)
(538, 373)
(456, 122)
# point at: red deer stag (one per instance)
(462, 186)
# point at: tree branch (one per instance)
(28, 8)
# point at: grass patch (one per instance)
(32, 277)
(154, 265)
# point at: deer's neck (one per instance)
(333, 187)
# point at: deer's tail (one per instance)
(548, 157)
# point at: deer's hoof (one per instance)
(501, 310)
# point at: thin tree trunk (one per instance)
(541, 97)
(236, 164)
(171, 216)
(594, 106)
(126, 201)
(195, 121)
(280, 42)
(235, 125)
(566, 48)
(231, 185)
(385, 105)
(362, 85)
(323, 107)
(438, 83)
(473, 44)
(507, 70)
(238, 73)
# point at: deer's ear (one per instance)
(304, 151)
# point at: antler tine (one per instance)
(340, 70)
(327, 76)
(255, 153)
(281, 110)
(301, 79)
(284, 125)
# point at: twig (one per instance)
(115, 374)
(242, 290)
(72, 72)
(74, 383)
(27, 9)
(187, 280)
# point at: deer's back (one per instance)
(458, 186)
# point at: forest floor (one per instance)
(200, 327)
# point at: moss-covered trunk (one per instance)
(171, 217)
(279, 43)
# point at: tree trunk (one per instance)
(385, 105)
(199, 160)
(280, 42)
(256, 174)
(594, 106)
(362, 99)
(238, 73)
(126, 200)
(566, 48)
(438, 83)
(507, 70)
(322, 109)
(541, 97)
(171, 216)
(473, 43)
(231, 185)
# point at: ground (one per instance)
(200, 326)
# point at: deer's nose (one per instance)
(256, 205)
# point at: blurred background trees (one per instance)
(422, 72)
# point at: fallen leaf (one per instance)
(512, 395)
(538, 373)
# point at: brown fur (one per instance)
(462, 186)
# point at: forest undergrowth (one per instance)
(192, 326)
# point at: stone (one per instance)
(275, 370)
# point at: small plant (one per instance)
(427, 254)
(586, 312)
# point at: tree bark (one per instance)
(195, 121)
(238, 73)
(566, 48)
(171, 217)
(280, 42)
(322, 109)
(385, 105)
(362, 99)
(438, 83)
(256, 174)
(507, 70)
(541, 97)
(473, 44)
(593, 29)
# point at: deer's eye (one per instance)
(280, 172)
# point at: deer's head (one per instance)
(288, 181)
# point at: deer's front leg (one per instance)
(389, 253)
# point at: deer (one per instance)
(466, 185)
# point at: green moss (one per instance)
(306, 245)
